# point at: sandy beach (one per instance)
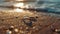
(44, 25)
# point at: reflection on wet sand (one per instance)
(18, 10)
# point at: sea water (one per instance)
(50, 5)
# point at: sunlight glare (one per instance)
(19, 5)
(18, 10)
(19, 0)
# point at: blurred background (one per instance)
(50, 5)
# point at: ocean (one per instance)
(50, 5)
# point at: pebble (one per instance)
(34, 27)
(9, 32)
(16, 30)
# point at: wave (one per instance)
(51, 6)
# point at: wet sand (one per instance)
(45, 23)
